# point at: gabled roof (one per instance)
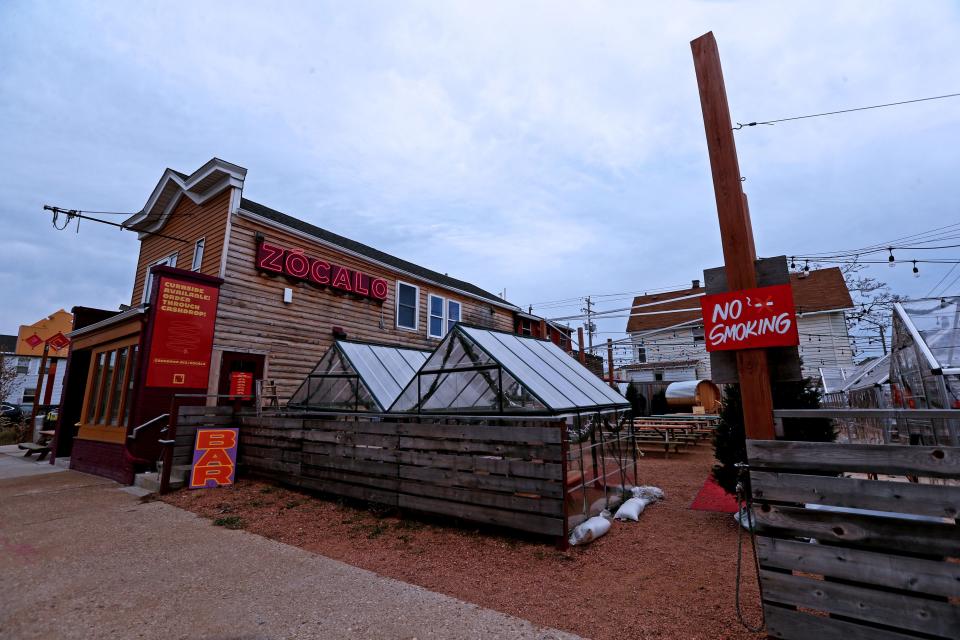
(201, 185)
(478, 370)
(819, 290)
(381, 370)
(369, 252)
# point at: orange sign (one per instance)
(214, 458)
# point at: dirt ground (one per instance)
(671, 575)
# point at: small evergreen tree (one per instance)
(729, 445)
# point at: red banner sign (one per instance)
(296, 264)
(750, 319)
(241, 384)
(182, 339)
(58, 341)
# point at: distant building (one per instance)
(25, 353)
(669, 345)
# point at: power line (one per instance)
(76, 213)
(833, 113)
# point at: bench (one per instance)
(32, 448)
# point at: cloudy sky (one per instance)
(552, 149)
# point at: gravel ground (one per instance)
(669, 576)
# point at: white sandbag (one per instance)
(631, 509)
(651, 494)
(590, 530)
(610, 503)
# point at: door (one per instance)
(233, 362)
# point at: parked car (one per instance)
(11, 412)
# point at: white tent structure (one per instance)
(358, 376)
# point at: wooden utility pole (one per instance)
(736, 232)
(39, 387)
(610, 362)
(582, 356)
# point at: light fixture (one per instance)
(793, 265)
(916, 272)
(891, 262)
(806, 267)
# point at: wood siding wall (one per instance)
(189, 222)
(253, 317)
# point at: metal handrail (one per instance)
(148, 423)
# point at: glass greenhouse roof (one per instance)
(482, 371)
(876, 371)
(938, 324)
(358, 376)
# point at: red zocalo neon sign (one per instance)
(296, 264)
(750, 319)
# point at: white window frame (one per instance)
(446, 308)
(416, 309)
(198, 248)
(169, 261)
(443, 315)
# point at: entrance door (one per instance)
(234, 362)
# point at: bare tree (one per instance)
(8, 375)
(873, 302)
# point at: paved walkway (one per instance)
(80, 557)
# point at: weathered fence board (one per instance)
(906, 612)
(887, 573)
(829, 457)
(869, 567)
(903, 497)
(508, 474)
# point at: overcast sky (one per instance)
(550, 149)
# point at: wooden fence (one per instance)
(868, 576)
(505, 472)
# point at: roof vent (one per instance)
(696, 284)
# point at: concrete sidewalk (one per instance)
(82, 558)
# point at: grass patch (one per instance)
(229, 522)
(292, 504)
(377, 530)
(267, 489)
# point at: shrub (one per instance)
(729, 445)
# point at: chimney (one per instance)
(696, 284)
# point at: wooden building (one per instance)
(272, 291)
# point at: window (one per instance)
(526, 329)
(453, 313)
(435, 326)
(444, 313)
(641, 354)
(698, 334)
(28, 396)
(658, 376)
(197, 255)
(23, 365)
(108, 390)
(408, 301)
(169, 261)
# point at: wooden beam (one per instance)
(610, 363)
(582, 355)
(736, 232)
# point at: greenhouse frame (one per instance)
(925, 364)
(487, 372)
(358, 377)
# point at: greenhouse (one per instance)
(358, 376)
(925, 365)
(480, 371)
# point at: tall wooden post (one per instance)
(736, 231)
(581, 355)
(610, 362)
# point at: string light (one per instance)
(891, 260)
(916, 271)
(793, 264)
(806, 267)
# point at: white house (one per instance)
(666, 329)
